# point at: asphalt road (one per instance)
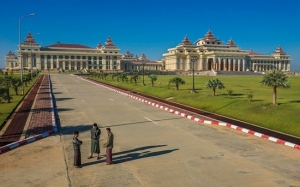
(152, 148)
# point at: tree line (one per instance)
(274, 78)
(8, 81)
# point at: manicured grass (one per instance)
(6, 109)
(283, 117)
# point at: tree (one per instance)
(177, 81)
(123, 77)
(5, 82)
(275, 79)
(153, 78)
(250, 95)
(134, 77)
(105, 75)
(26, 79)
(16, 83)
(214, 83)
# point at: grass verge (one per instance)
(7, 109)
(283, 118)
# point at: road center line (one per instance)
(111, 99)
(82, 100)
(150, 120)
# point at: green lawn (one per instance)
(283, 117)
(7, 108)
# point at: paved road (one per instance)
(152, 148)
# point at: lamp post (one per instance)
(31, 63)
(21, 50)
(193, 59)
(143, 63)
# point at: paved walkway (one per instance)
(152, 148)
(41, 118)
(14, 129)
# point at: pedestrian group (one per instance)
(95, 145)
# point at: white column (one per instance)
(29, 61)
(204, 65)
(219, 64)
(244, 64)
(51, 62)
(201, 63)
(239, 64)
(213, 65)
(229, 64)
(63, 63)
(188, 63)
(38, 61)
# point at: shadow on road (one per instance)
(68, 130)
(133, 154)
(146, 121)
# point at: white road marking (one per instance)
(82, 100)
(150, 120)
(111, 99)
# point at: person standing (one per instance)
(76, 146)
(95, 136)
(109, 146)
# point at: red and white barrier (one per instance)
(202, 121)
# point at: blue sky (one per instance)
(153, 26)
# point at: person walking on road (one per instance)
(95, 136)
(109, 146)
(76, 146)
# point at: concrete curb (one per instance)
(14, 145)
(203, 121)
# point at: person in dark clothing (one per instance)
(76, 146)
(95, 136)
(109, 146)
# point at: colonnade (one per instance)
(226, 64)
(207, 63)
(62, 62)
(269, 65)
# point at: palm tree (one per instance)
(275, 79)
(178, 81)
(153, 78)
(134, 77)
(214, 83)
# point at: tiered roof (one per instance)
(231, 43)
(29, 40)
(109, 43)
(251, 52)
(185, 41)
(209, 37)
(99, 46)
(143, 57)
(279, 51)
(128, 53)
(11, 55)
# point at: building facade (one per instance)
(62, 56)
(211, 54)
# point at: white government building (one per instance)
(209, 53)
(62, 56)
